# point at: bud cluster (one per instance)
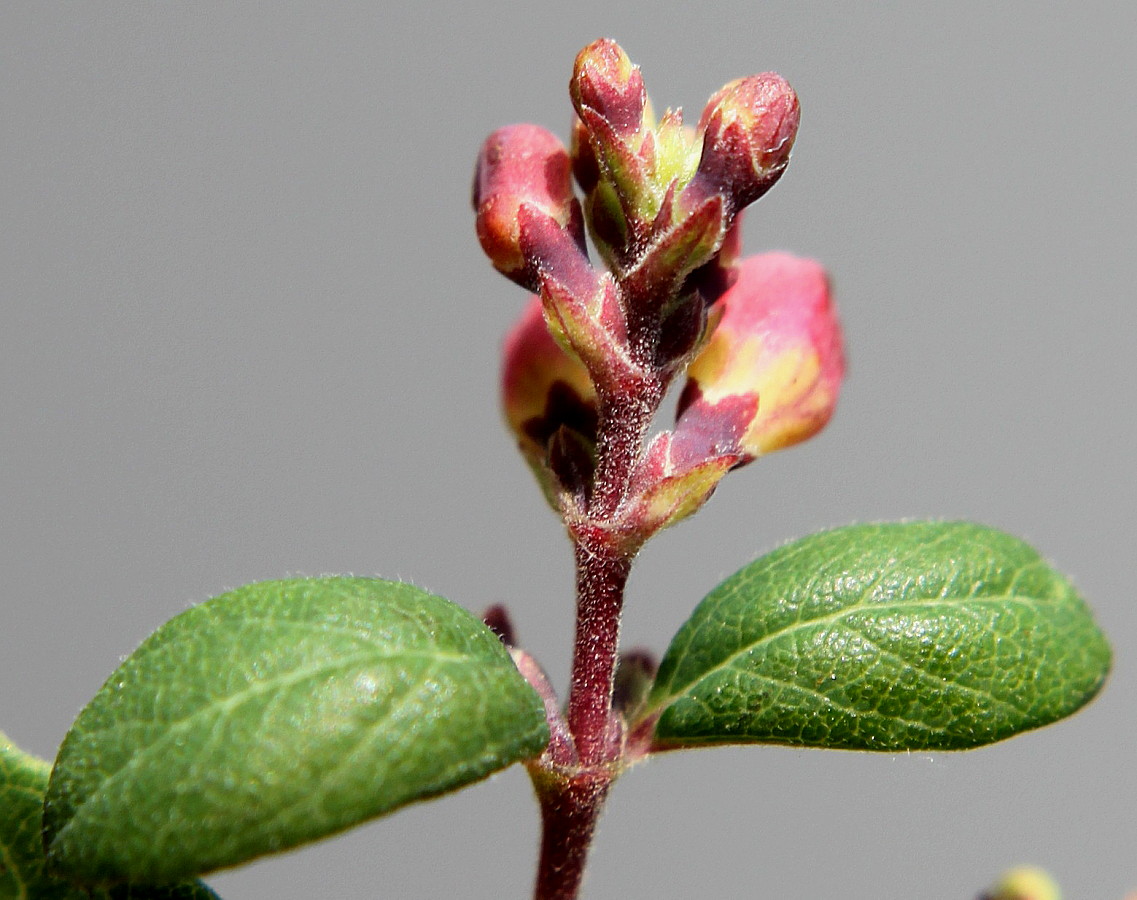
(594, 353)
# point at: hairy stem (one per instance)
(568, 816)
(625, 417)
(602, 574)
(603, 560)
(572, 797)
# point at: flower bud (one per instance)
(614, 149)
(605, 82)
(748, 130)
(769, 375)
(545, 393)
(1025, 883)
(522, 165)
(497, 619)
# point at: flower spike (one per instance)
(595, 350)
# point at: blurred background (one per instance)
(246, 331)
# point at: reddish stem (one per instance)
(572, 797)
(625, 417)
(603, 560)
(602, 573)
(569, 812)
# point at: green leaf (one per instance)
(890, 637)
(23, 779)
(277, 714)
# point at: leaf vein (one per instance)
(253, 690)
(834, 617)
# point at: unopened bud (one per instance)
(521, 165)
(1025, 883)
(613, 148)
(769, 375)
(748, 130)
(606, 82)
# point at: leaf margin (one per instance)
(659, 712)
(26, 773)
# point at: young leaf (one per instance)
(277, 714)
(922, 635)
(23, 779)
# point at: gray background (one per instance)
(246, 331)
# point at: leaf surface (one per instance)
(277, 714)
(905, 636)
(23, 779)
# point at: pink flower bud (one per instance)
(544, 390)
(522, 165)
(748, 130)
(770, 373)
(1025, 883)
(605, 82)
(614, 150)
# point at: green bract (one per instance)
(23, 779)
(277, 714)
(889, 637)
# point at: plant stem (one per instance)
(568, 816)
(572, 797)
(603, 560)
(625, 416)
(602, 574)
